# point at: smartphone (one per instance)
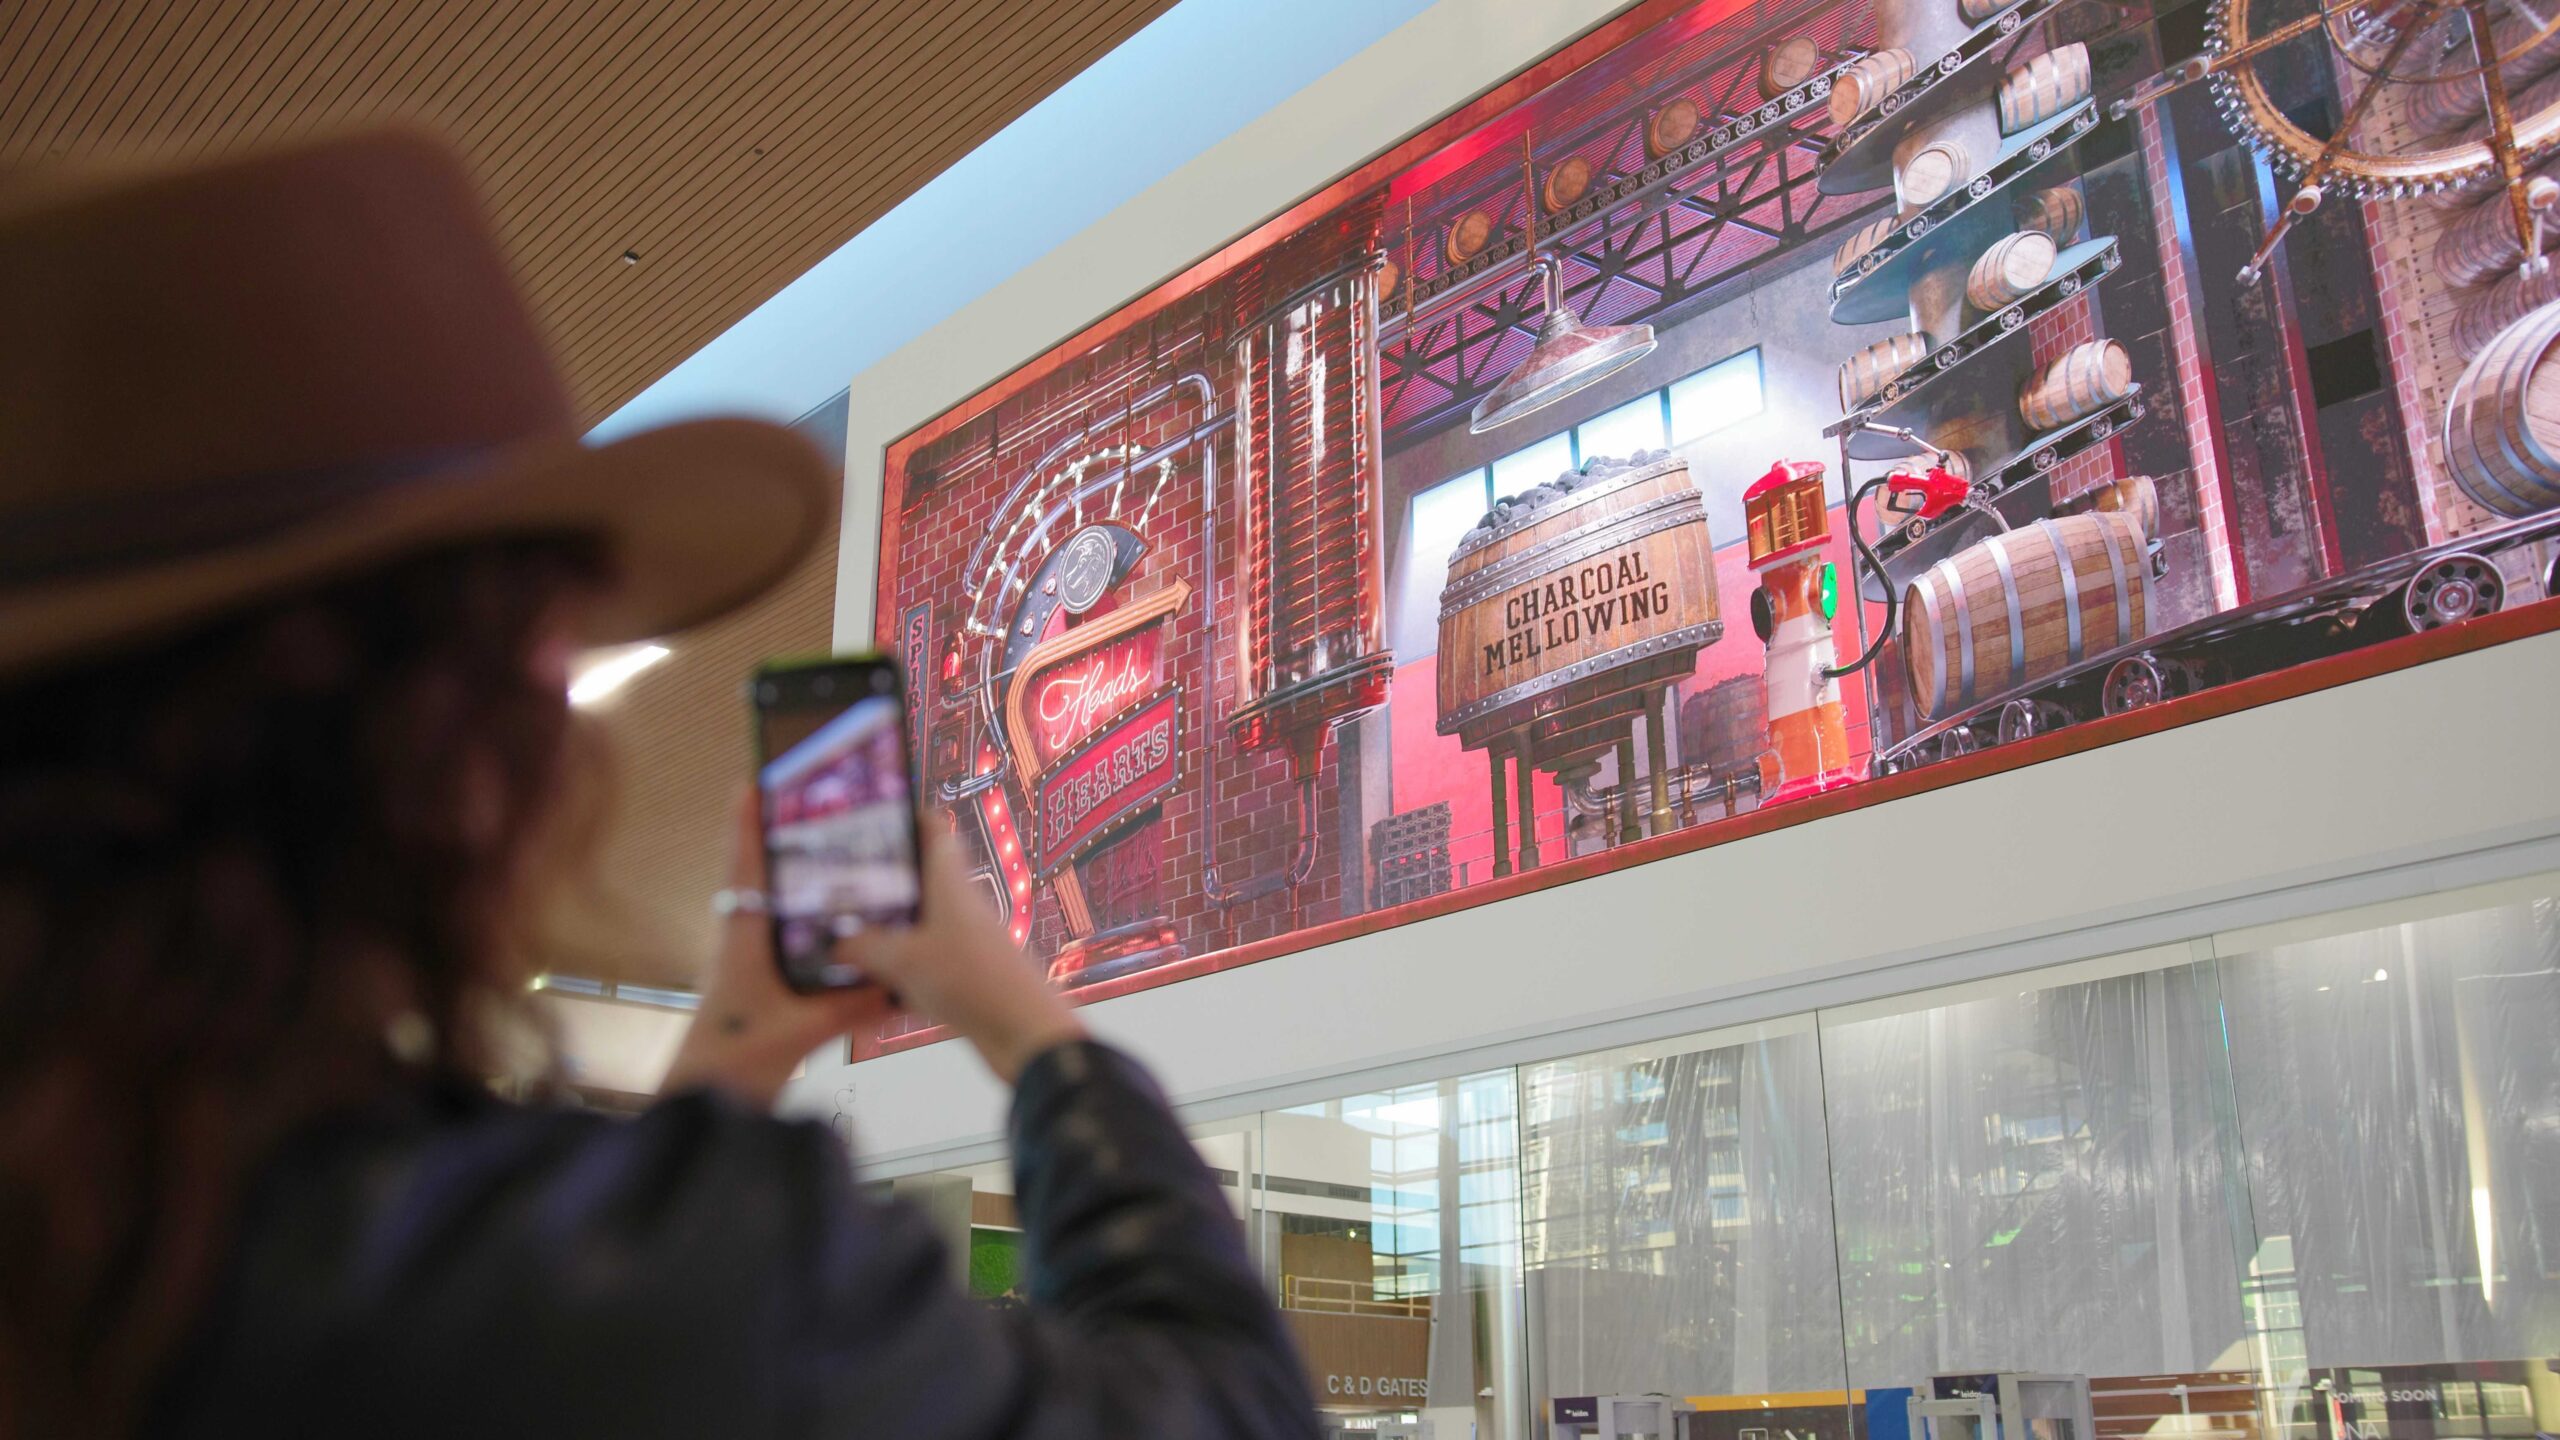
(840, 847)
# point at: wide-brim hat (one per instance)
(236, 380)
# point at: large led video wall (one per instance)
(1748, 412)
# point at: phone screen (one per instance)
(839, 820)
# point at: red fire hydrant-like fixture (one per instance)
(1788, 527)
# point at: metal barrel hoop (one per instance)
(1998, 549)
(2070, 585)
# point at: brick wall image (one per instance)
(2288, 429)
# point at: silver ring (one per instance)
(729, 902)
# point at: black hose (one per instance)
(1892, 602)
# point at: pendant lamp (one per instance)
(1567, 355)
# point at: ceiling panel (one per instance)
(729, 146)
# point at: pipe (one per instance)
(1302, 855)
(984, 690)
(1866, 552)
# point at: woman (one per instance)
(295, 543)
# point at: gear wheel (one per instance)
(2375, 49)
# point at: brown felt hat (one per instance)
(221, 383)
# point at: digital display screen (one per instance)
(839, 821)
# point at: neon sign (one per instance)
(1072, 699)
(1118, 774)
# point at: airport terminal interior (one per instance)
(1785, 719)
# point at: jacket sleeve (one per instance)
(701, 1270)
(1145, 1316)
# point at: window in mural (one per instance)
(1492, 511)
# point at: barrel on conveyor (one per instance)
(2021, 605)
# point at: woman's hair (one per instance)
(249, 875)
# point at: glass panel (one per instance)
(1715, 397)
(972, 1208)
(2038, 1175)
(1676, 1231)
(2400, 1092)
(1634, 426)
(1534, 464)
(1396, 1222)
(1435, 521)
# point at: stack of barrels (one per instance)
(2044, 87)
(2503, 304)
(1789, 64)
(2014, 265)
(1724, 728)
(1927, 166)
(1864, 83)
(1671, 126)
(2482, 249)
(2448, 104)
(1864, 374)
(1861, 240)
(2079, 382)
(2483, 245)
(2056, 211)
(2502, 426)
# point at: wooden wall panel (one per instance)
(730, 145)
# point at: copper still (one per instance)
(1311, 648)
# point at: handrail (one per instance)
(1325, 1295)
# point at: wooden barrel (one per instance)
(2014, 265)
(1601, 570)
(2136, 497)
(1671, 126)
(2020, 606)
(1468, 235)
(2450, 104)
(2501, 305)
(1865, 373)
(1977, 11)
(1789, 64)
(2085, 378)
(1569, 180)
(2482, 245)
(1925, 171)
(1862, 86)
(2044, 87)
(1390, 275)
(1725, 727)
(2502, 424)
(1861, 240)
(2055, 211)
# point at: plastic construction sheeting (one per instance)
(1679, 1230)
(2399, 1093)
(2036, 1182)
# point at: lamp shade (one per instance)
(1566, 356)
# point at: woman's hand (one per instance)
(752, 1030)
(959, 968)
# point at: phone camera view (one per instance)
(839, 821)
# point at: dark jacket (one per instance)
(479, 1270)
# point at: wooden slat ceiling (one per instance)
(729, 144)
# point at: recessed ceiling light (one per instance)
(610, 670)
